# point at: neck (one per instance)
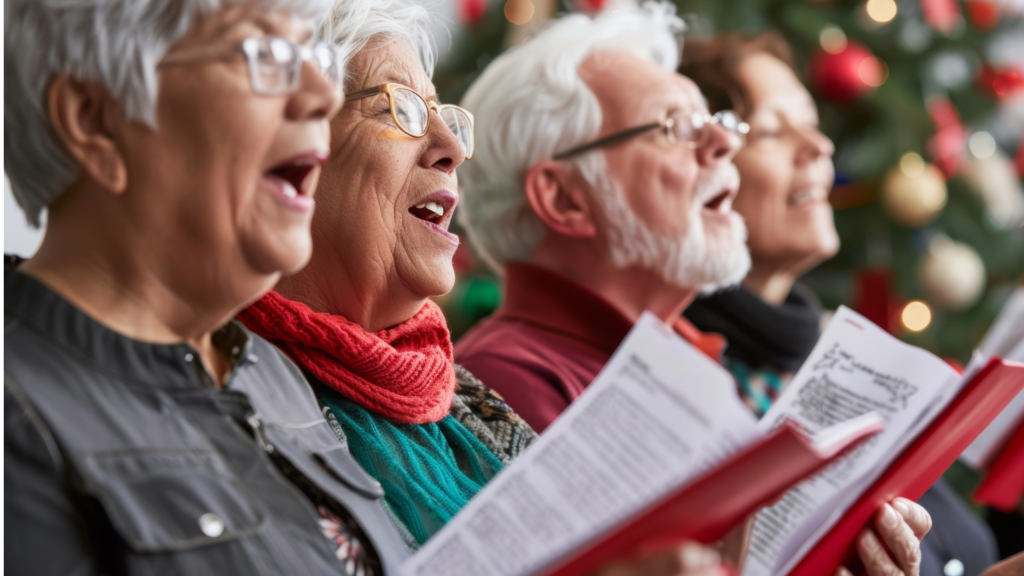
(773, 286)
(111, 270)
(631, 290)
(326, 285)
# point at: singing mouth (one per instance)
(293, 175)
(812, 194)
(436, 208)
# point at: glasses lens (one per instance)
(732, 122)
(411, 112)
(326, 59)
(272, 64)
(458, 122)
(686, 127)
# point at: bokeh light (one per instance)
(912, 164)
(916, 316)
(833, 39)
(873, 72)
(881, 10)
(981, 144)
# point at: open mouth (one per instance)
(432, 212)
(292, 176)
(718, 203)
(436, 210)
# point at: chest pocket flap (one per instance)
(163, 500)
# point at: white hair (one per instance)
(531, 102)
(116, 44)
(353, 24)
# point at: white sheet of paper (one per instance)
(855, 368)
(1006, 336)
(659, 413)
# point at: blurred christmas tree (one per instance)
(924, 100)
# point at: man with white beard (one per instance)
(600, 188)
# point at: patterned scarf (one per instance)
(405, 374)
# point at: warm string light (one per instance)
(519, 12)
(916, 316)
(873, 72)
(881, 11)
(981, 144)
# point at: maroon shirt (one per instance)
(549, 340)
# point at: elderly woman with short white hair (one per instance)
(175, 145)
(358, 320)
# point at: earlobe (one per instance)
(81, 116)
(558, 197)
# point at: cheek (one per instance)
(764, 186)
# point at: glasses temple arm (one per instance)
(364, 93)
(607, 140)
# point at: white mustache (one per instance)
(727, 177)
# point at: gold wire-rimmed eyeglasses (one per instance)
(690, 129)
(275, 64)
(410, 112)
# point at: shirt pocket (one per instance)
(171, 500)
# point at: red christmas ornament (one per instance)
(471, 11)
(846, 75)
(947, 146)
(984, 14)
(943, 15)
(1001, 83)
(591, 6)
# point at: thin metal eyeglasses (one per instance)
(275, 64)
(410, 112)
(690, 129)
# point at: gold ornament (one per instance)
(519, 11)
(914, 192)
(952, 274)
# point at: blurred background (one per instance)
(924, 100)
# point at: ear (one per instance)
(558, 196)
(83, 115)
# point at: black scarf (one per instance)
(760, 334)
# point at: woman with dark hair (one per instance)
(772, 322)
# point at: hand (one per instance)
(686, 560)
(901, 526)
(1012, 566)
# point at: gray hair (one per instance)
(531, 103)
(115, 43)
(353, 24)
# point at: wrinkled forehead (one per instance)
(382, 62)
(633, 90)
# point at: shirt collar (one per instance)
(35, 305)
(550, 301)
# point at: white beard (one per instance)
(689, 261)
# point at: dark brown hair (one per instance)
(712, 63)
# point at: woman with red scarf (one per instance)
(358, 319)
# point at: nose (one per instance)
(718, 146)
(315, 98)
(444, 150)
(814, 144)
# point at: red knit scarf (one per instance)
(406, 373)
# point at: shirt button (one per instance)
(953, 568)
(211, 525)
(234, 350)
(188, 357)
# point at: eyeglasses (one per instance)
(275, 64)
(689, 129)
(410, 112)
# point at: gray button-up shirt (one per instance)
(121, 457)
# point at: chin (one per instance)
(283, 254)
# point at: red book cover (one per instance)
(924, 461)
(1003, 486)
(706, 509)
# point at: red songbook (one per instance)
(1003, 486)
(924, 461)
(706, 509)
